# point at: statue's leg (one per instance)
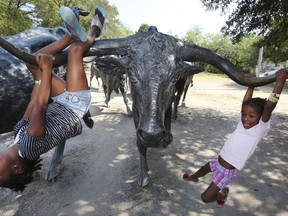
(143, 178)
(169, 137)
(123, 91)
(108, 96)
(175, 107)
(57, 158)
(97, 78)
(184, 95)
(91, 76)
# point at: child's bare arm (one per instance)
(38, 116)
(271, 103)
(248, 95)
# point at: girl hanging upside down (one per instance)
(45, 125)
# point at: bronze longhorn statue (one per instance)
(154, 62)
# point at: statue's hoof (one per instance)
(143, 181)
(168, 140)
(52, 174)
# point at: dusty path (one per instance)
(100, 168)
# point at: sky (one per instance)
(170, 17)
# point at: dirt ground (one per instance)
(100, 167)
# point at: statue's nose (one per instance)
(151, 136)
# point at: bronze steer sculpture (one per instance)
(154, 62)
(111, 82)
(189, 82)
(181, 86)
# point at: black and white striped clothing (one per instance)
(61, 124)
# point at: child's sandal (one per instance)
(73, 29)
(220, 203)
(96, 20)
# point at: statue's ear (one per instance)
(191, 70)
(112, 65)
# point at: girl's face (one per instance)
(249, 116)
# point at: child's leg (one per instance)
(76, 77)
(56, 46)
(213, 193)
(221, 178)
(200, 173)
(58, 85)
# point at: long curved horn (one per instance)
(100, 47)
(192, 52)
(26, 57)
(109, 47)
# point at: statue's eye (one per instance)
(133, 78)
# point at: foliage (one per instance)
(143, 28)
(12, 18)
(19, 15)
(195, 35)
(263, 17)
(243, 54)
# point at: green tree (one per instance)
(49, 14)
(13, 17)
(19, 15)
(194, 35)
(267, 19)
(143, 28)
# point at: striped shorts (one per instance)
(221, 176)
